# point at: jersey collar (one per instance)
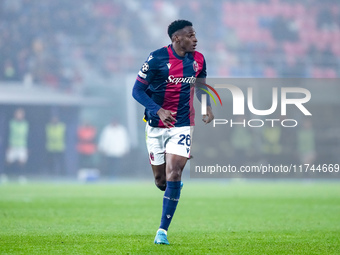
(175, 54)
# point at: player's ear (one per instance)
(175, 37)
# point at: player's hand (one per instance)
(166, 117)
(209, 116)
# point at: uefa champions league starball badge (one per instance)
(145, 67)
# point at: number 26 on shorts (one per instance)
(185, 138)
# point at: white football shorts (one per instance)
(159, 141)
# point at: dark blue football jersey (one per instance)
(170, 78)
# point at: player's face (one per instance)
(187, 39)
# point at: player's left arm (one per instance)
(201, 81)
(206, 118)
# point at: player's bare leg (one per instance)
(174, 167)
(160, 176)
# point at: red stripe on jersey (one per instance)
(191, 104)
(198, 57)
(172, 90)
(142, 81)
(199, 60)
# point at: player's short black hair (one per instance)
(178, 25)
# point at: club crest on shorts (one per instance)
(152, 157)
(195, 66)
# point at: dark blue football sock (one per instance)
(170, 201)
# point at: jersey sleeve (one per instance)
(203, 73)
(148, 70)
(139, 92)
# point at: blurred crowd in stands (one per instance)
(64, 43)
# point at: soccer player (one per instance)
(164, 87)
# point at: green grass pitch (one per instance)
(212, 218)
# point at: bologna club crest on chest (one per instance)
(195, 66)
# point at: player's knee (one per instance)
(161, 187)
(175, 175)
(160, 183)
(174, 169)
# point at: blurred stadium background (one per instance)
(78, 60)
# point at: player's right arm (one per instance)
(144, 78)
